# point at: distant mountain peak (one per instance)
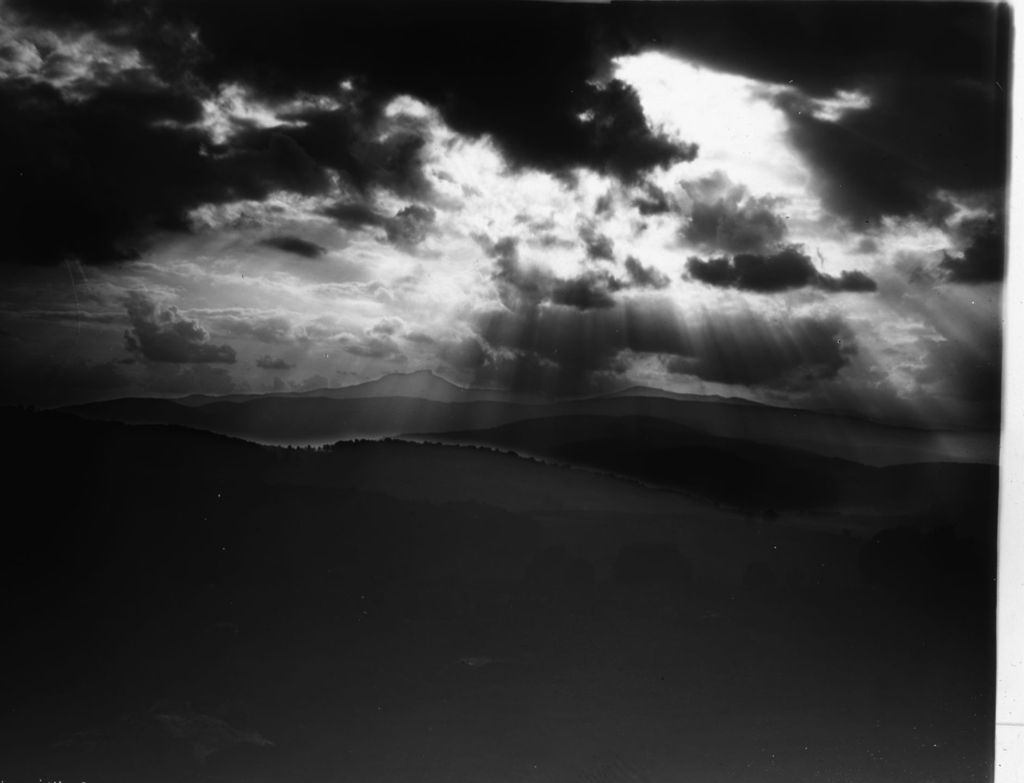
(413, 379)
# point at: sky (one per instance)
(800, 204)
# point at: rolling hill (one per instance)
(393, 405)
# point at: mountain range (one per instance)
(424, 403)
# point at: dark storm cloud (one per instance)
(746, 351)
(645, 276)
(268, 362)
(543, 56)
(735, 227)
(538, 85)
(92, 179)
(296, 246)
(984, 258)
(788, 269)
(163, 335)
(358, 141)
(617, 139)
(919, 136)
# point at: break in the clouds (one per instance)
(795, 202)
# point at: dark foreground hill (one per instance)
(182, 606)
(747, 475)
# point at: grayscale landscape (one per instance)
(512, 392)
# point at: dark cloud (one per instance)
(163, 335)
(598, 246)
(782, 271)
(407, 228)
(410, 226)
(352, 215)
(93, 179)
(357, 141)
(936, 76)
(268, 362)
(295, 245)
(751, 352)
(736, 223)
(111, 169)
(645, 276)
(919, 136)
(422, 50)
(652, 201)
(824, 45)
(984, 258)
(617, 138)
(850, 282)
(585, 292)
(521, 286)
